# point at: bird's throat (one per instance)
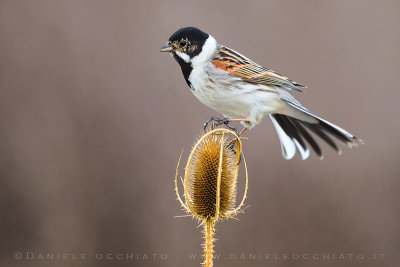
(186, 68)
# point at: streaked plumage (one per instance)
(238, 65)
(241, 89)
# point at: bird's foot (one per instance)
(215, 122)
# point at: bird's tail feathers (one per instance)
(294, 134)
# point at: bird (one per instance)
(244, 91)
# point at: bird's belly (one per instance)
(237, 100)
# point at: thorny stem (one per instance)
(209, 230)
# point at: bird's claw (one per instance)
(217, 122)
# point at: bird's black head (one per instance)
(186, 43)
(190, 46)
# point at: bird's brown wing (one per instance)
(249, 71)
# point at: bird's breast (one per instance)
(218, 90)
(197, 78)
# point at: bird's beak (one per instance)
(166, 47)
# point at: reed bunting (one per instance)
(245, 91)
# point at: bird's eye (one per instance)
(182, 43)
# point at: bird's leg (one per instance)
(217, 121)
(240, 120)
(226, 121)
(243, 131)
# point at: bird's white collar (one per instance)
(207, 52)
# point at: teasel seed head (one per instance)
(211, 176)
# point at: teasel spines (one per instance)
(211, 176)
(202, 178)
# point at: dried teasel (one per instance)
(210, 182)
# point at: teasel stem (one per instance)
(218, 170)
(209, 230)
(209, 225)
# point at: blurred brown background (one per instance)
(93, 119)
